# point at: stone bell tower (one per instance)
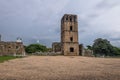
(69, 35)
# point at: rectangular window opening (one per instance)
(70, 19)
(71, 49)
(71, 39)
(71, 28)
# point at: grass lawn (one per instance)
(6, 58)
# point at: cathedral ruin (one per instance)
(69, 45)
(12, 48)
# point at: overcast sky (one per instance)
(34, 20)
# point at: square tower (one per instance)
(69, 35)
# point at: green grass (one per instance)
(6, 58)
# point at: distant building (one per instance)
(12, 48)
(81, 49)
(19, 39)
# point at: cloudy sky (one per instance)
(34, 20)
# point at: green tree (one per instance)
(32, 48)
(89, 47)
(116, 51)
(102, 47)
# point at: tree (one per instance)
(102, 47)
(89, 47)
(116, 51)
(32, 48)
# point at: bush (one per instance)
(32, 48)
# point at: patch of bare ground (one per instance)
(60, 68)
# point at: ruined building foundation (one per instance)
(12, 48)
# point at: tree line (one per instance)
(100, 47)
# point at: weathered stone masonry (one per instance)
(11, 48)
(69, 35)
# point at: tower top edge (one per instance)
(70, 15)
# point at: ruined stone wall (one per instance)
(81, 49)
(85, 52)
(56, 47)
(88, 53)
(11, 48)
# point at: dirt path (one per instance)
(60, 68)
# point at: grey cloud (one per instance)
(107, 4)
(40, 19)
(82, 31)
(115, 39)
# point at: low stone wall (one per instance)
(47, 53)
(88, 53)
